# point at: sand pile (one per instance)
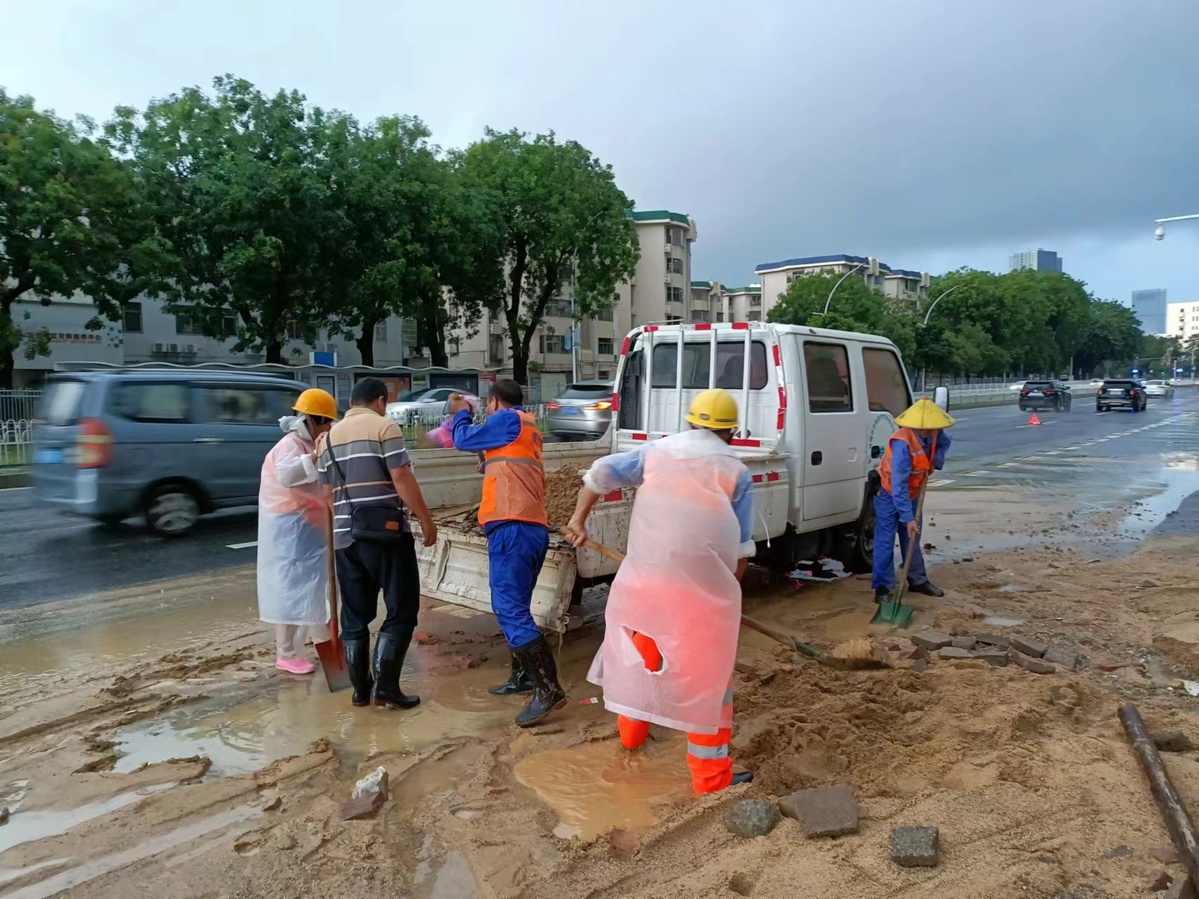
(562, 487)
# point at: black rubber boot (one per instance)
(517, 682)
(882, 594)
(536, 659)
(389, 659)
(358, 661)
(928, 588)
(742, 777)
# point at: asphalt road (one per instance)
(45, 555)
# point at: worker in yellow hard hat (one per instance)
(674, 609)
(913, 452)
(293, 519)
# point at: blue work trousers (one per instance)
(886, 526)
(515, 552)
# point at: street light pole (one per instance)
(838, 284)
(923, 383)
(1160, 231)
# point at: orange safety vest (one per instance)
(922, 462)
(514, 478)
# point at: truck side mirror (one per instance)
(941, 398)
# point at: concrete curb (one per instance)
(13, 477)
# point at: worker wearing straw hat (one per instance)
(913, 453)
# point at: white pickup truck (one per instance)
(816, 410)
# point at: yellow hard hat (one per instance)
(924, 415)
(713, 409)
(315, 401)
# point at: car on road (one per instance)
(582, 411)
(169, 445)
(428, 405)
(1161, 389)
(1045, 395)
(1121, 393)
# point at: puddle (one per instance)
(1000, 621)
(452, 878)
(26, 827)
(97, 867)
(601, 786)
(253, 725)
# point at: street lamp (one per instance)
(937, 300)
(1160, 232)
(838, 284)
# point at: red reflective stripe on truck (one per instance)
(782, 417)
(640, 436)
(757, 479)
(740, 442)
(649, 328)
(614, 497)
(772, 476)
(740, 326)
(778, 356)
(624, 347)
(616, 402)
(703, 326)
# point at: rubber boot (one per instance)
(882, 594)
(742, 777)
(358, 662)
(517, 682)
(928, 588)
(389, 659)
(535, 657)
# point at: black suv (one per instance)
(1121, 392)
(1045, 395)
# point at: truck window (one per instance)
(827, 367)
(697, 358)
(886, 385)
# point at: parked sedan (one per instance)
(1116, 393)
(1045, 395)
(582, 412)
(1162, 389)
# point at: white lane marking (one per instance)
(249, 545)
(940, 483)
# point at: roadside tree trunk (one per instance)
(274, 352)
(366, 343)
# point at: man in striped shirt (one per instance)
(365, 463)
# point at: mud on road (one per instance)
(162, 754)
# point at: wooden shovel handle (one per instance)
(599, 548)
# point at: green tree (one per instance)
(560, 222)
(238, 190)
(1111, 339)
(68, 222)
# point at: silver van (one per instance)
(169, 445)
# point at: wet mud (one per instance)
(148, 746)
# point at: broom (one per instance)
(857, 654)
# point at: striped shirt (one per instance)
(367, 448)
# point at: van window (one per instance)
(60, 405)
(697, 358)
(827, 366)
(886, 384)
(247, 405)
(162, 402)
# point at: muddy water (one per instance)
(602, 786)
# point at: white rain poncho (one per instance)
(677, 585)
(293, 561)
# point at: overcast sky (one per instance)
(930, 133)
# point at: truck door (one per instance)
(834, 434)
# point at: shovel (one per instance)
(895, 613)
(859, 654)
(331, 652)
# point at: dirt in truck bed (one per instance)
(173, 760)
(562, 487)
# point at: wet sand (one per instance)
(149, 747)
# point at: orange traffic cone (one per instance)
(1034, 422)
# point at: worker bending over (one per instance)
(674, 610)
(913, 452)
(513, 517)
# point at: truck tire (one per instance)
(863, 549)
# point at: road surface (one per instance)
(45, 555)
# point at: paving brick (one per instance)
(992, 655)
(965, 642)
(953, 652)
(915, 847)
(993, 640)
(824, 811)
(1059, 655)
(751, 818)
(932, 640)
(1172, 741)
(1028, 647)
(1028, 663)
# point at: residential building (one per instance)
(1182, 320)
(1038, 259)
(150, 334)
(1149, 306)
(706, 301)
(776, 277)
(744, 304)
(659, 291)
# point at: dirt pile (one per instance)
(562, 487)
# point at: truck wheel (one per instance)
(863, 544)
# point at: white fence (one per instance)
(17, 411)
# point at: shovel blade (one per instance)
(331, 654)
(896, 614)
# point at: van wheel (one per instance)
(172, 510)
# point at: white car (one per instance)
(1159, 388)
(429, 405)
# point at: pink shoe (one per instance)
(298, 665)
